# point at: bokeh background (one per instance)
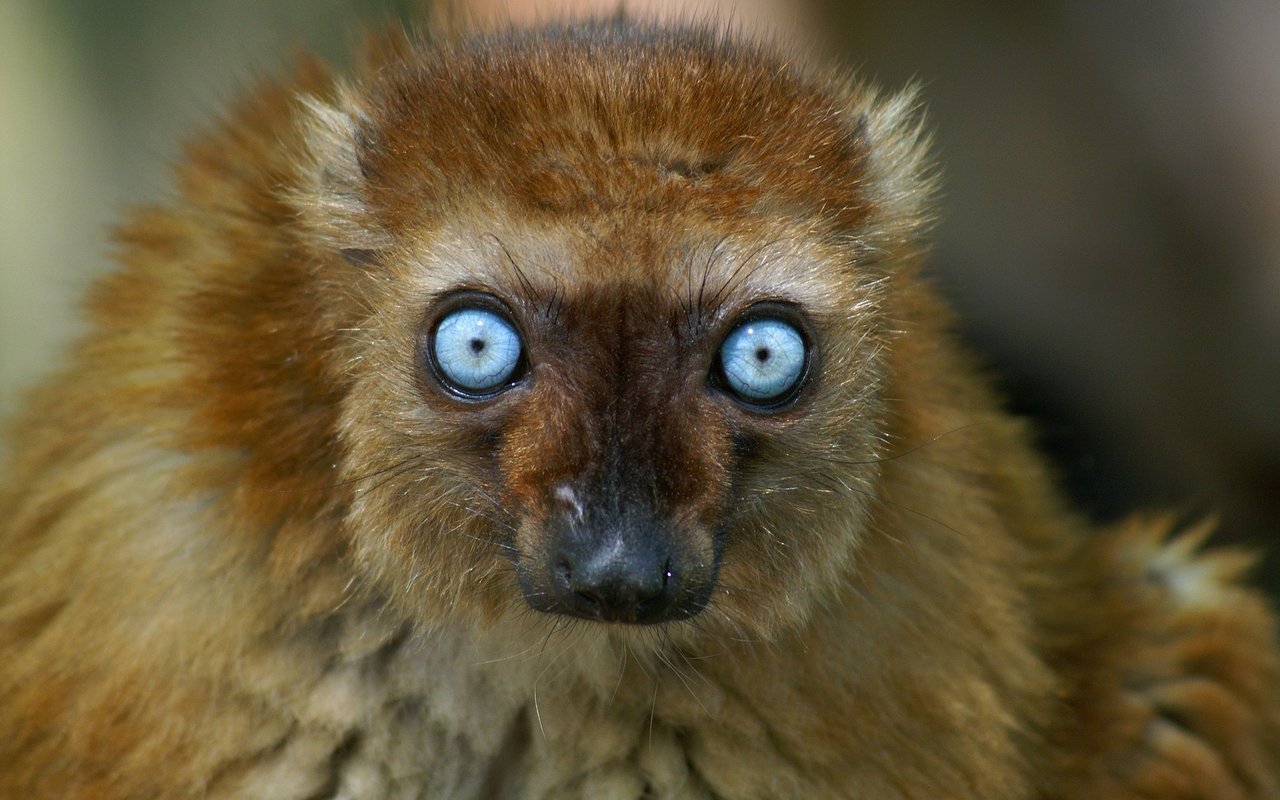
(1110, 228)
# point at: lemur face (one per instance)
(628, 355)
(625, 413)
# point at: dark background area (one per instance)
(1109, 231)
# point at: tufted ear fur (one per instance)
(903, 181)
(330, 198)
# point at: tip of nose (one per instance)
(622, 598)
(618, 591)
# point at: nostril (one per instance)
(587, 599)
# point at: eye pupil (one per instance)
(762, 354)
(477, 346)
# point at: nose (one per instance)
(615, 581)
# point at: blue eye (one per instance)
(475, 350)
(763, 360)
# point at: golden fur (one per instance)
(249, 551)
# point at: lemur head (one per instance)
(625, 298)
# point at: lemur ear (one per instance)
(332, 195)
(903, 177)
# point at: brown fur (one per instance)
(250, 550)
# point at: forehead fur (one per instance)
(700, 268)
(609, 121)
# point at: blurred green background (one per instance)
(1110, 229)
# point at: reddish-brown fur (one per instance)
(250, 548)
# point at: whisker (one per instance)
(409, 461)
(681, 677)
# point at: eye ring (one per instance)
(473, 349)
(765, 359)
